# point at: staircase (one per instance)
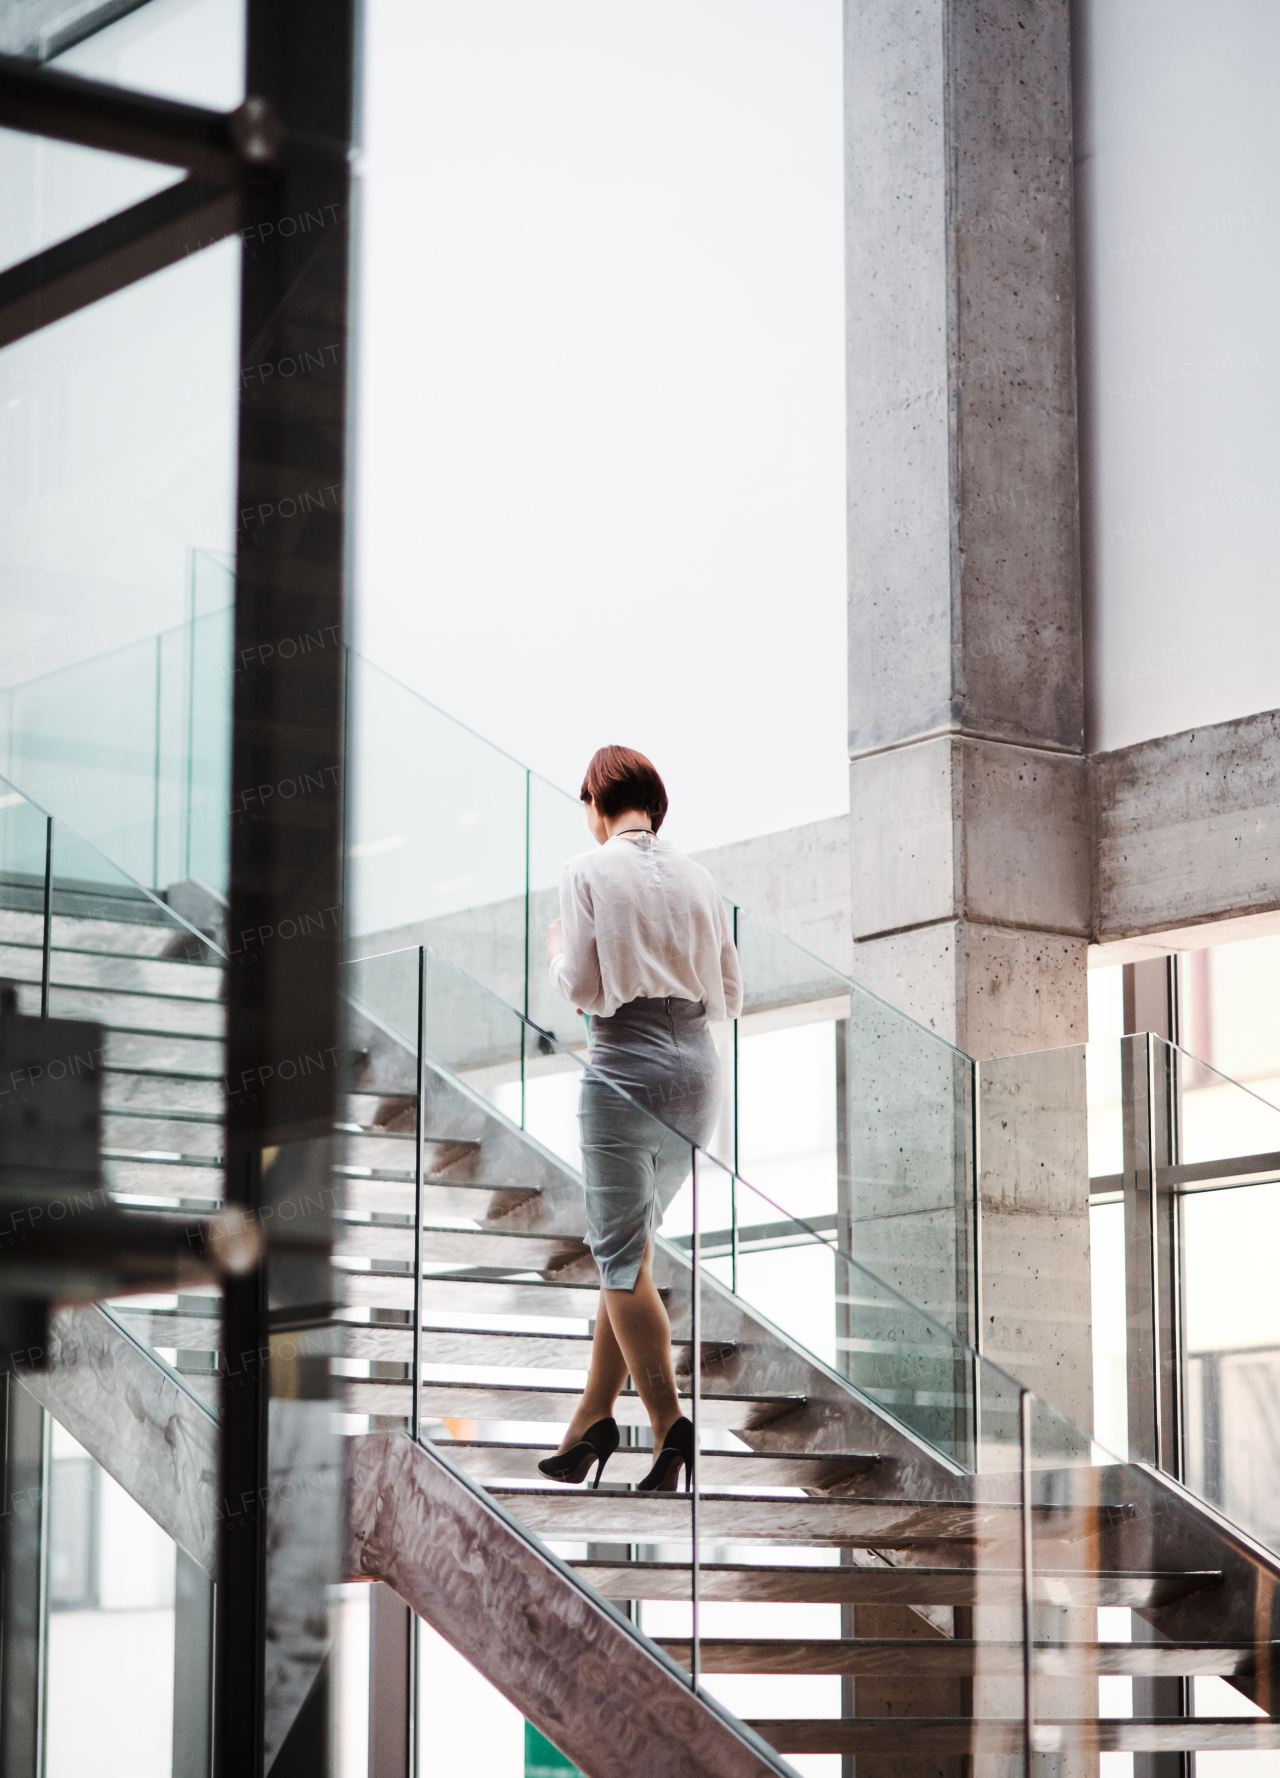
(810, 1494)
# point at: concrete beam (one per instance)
(960, 829)
(1188, 839)
(797, 881)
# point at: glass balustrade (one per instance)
(81, 940)
(865, 1195)
(454, 845)
(132, 748)
(841, 1378)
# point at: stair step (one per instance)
(118, 972)
(615, 1516)
(393, 1157)
(178, 1329)
(467, 1293)
(110, 938)
(487, 1458)
(498, 1347)
(470, 1198)
(160, 1083)
(131, 1134)
(897, 1585)
(509, 1250)
(922, 1657)
(165, 1014)
(111, 972)
(531, 1298)
(926, 1736)
(534, 1402)
(150, 1116)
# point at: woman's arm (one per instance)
(572, 956)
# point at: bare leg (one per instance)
(632, 1335)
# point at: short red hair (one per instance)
(619, 778)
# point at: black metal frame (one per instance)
(283, 154)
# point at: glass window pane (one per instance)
(119, 445)
(178, 49)
(53, 190)
(110, 1652)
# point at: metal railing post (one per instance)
(46, 960)
(418, 1170)
(528, 914)
(695, 1403)
(1028, 1651)
(733, 1187)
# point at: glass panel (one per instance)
(53, 190)
(1079, 1637)
(1218, 1118)
(923, 1383)
(85, 742)
(23, 842)
(119, 449)
(910, 1112)
(437, 845)
(557, 832)
(133, 748)
(179, 49)
(121, 957)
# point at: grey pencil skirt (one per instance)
(635, 1160)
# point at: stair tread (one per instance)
(963, 1734)
(548, 1402)
(615, 1515)
(889, 1584)
(952, 1657)
(509, 1458)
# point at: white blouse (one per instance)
(641, 919)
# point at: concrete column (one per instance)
(970, 808)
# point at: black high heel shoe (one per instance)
(597, 1442)
(677, 1449)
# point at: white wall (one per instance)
(601, 419)
(1177, 137)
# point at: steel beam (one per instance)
(94, 114)
(100, 260)
(285, 1062)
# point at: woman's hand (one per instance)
(555, 941)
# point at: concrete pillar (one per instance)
(970, 829)
(970, 806)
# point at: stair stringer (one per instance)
(1167, 1527)
(607, 1697)
(137, 1419)
(835, 1415)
